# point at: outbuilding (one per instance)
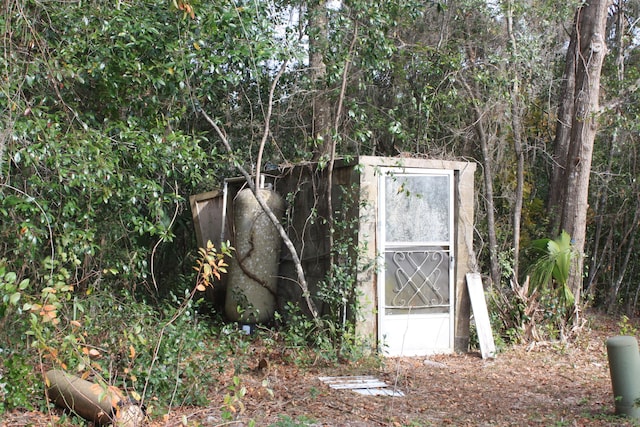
(405, 226)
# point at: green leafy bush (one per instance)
(128, 344)
(20, 387)
(163, 353)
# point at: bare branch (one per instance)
(334, 142)
(267, 121)
(302, 281)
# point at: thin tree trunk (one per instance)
(516, 125)
(621, 32)
(332, 158)
(318, 45)
(487, 164)
(629, 240)
(601, 203)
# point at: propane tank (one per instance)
(98, 403)
(253, 269)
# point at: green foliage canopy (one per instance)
(99, 104)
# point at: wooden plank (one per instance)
(339, 383)
(366, 385)
(352, 382)
(206, 209)
(481, 315)
(350, 385)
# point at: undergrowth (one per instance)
(165, 354)
(161, 354)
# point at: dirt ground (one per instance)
(543, 385)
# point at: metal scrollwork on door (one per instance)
(418, 278)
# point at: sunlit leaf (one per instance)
(206, 270)
(14, 298)
(23, 284)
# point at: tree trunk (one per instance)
(597, 253)
(516, 125)
(557, 188)
(318, 44)
(587, 55)
(487, 165)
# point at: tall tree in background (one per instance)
(516, 130)
(318, 43)
(612, 245)
(579, 103)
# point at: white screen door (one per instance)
(415, 283)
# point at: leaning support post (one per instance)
(624, 366)
(93, 402)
